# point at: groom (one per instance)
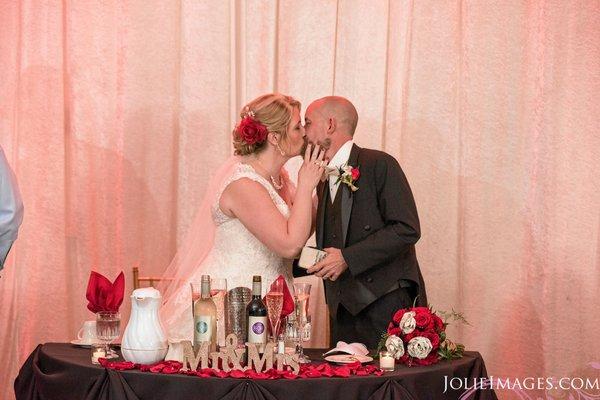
(369, 234)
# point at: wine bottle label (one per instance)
(202, 328)
(257, 329)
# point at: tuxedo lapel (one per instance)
(320, 222)
(347, 197)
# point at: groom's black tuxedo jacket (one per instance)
(379, 227)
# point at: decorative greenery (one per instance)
(380, 344)
(450, 351)
(453, 315)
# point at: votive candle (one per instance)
(97, 353)
(386, 361)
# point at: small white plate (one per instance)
(348, 359)
(81, 343)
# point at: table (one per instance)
(63, 371)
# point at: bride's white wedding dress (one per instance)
(236, 255)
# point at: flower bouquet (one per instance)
(417, 335)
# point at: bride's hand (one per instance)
(312, 168)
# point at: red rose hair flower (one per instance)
(252, 131)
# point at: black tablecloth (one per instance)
(63, 371)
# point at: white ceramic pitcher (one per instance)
(144, 340)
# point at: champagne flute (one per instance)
(107, 329)
(307, 329)
(301, 297)
(274, 305)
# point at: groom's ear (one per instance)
(332, 125)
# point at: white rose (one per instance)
(394, 345)
(408, 322)
(419, 347)
(348, 169)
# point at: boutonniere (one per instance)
(348, 175)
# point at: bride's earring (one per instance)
(280, 149)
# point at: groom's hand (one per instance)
(331, 267)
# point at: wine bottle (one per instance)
(257, 316)
(205, 317)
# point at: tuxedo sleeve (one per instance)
(401, 230)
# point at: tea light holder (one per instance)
(386, 361)
(98, 350)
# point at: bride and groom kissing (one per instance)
(254, 221)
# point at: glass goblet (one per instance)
(108, 329)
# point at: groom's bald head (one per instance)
(341, 109)
(330, 122)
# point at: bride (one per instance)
(252, 220)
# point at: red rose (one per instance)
(394, 331)
(432, 358)
(424, 320)
(411, 335)
(433, 337)
(355, 174)
(398, 316)
(404, 359)
(252, 131)
(438, 323)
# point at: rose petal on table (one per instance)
(354, 366)
(157, 368)
(221, 374)
(252, 374)
(313, 373)
(236, 373)
(170, 369)
(342, 372)
(289, 375)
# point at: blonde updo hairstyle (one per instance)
(274, 111)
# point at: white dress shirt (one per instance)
(11, 208)
(338, 160)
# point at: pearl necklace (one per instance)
(277, 186)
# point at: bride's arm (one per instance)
(290, 194)
(315, 203)
(250, 202)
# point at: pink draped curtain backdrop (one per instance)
(114, 114)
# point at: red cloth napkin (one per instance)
(103, 295)
(288, 300)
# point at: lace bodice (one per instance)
(236, 255)
(246, 171)
(237, 252)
